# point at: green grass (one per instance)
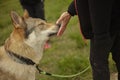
(5, 21)
(68, 54)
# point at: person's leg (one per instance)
(116, 53)
(39, 10)
(101, 44)
(30, 9)
(99, 52)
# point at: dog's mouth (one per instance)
(52, 34)
(48, 45)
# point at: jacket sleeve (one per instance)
(71, 9)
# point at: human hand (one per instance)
(63, 20)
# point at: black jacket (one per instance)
(30, 2)
(97, 17)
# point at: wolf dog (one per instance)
(24, 47)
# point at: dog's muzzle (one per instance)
(57, 25)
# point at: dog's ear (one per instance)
(26, 14)
(17, 20)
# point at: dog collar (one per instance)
(20, 59)
(28, 61)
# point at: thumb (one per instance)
(59, 21)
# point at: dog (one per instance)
(24, 48)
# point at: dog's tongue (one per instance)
(47, 45)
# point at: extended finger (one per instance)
(61, 30)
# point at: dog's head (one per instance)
(33, 28)
(29, 35)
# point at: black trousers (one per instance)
(99, 53)
(35, 10)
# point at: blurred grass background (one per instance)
(68, 54)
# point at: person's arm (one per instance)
(65, 17)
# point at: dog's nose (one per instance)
(59, 25)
